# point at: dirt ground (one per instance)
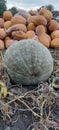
(31, 109)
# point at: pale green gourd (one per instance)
(28, 62)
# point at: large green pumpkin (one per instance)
(28, 62)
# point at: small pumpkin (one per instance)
(45, 39)
(9, 42)
(53, 25)
(46, 13)
(18, 19)
(40, 29)
(55, 43)
(7, 15)
(31, 26)
(6, 38)
(16, 27)
(7, 24)
(1, 22)
(37, 20)
(30, 34)
(55, 34)
(2, 33)
(19, 35)
(28, 62)
(2, 47)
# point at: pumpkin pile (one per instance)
(38, 25)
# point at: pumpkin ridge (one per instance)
(17, 59)
(23, 60)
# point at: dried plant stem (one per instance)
(19, 98)
(34, 113)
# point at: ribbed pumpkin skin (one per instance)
(28, 62)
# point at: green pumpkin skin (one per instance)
(28, 62)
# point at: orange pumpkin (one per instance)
(6, 38)
(55, 43)
(31, 26)
(53, 25)
(7, 15)
(45, 39)
(19, 35)
(46, 13)
(2, 45)
(16, 27)
(2, 33)
(7, 24)
(37, 20)
(55, 34)
(30, 34)
(1, 22)
(18, 19)
(9, 42)
(40, 29)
